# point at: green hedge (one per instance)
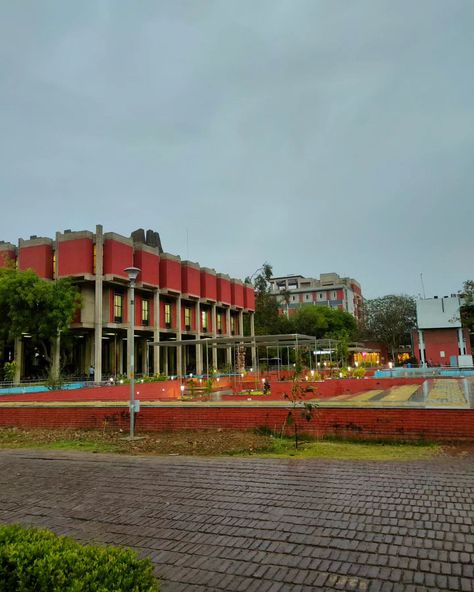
(35, 560)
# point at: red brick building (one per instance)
(440, 339)
(174, 300)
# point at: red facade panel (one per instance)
(208, 285)
(149, 264)
(191, 280)
(39, 258)
(224, 294)
(249, 298)
(6, 257)
(437, 342)
(237, 291)
(170, 274)
(75, 257)
(117, 257)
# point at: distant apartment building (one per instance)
(329, 290)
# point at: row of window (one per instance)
(309, 297)
(145, 316)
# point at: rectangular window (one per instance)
(219, 323)
(145, 312)
(306, 296)
(54, 264)
(118, 307)
(94, 260)
(167, 315)
(321, 295)
(232, 325)
(334, 295)
(187, 318)
(204, 320)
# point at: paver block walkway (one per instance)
(259, 525)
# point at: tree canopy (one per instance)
(467, 308)
(390, 320)
(38, 307)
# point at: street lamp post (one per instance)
(132, 273)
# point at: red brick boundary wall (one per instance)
(390, 424)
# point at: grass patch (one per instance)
(340, 450)
(258, 443)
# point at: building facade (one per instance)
(174, 300)
(329, 290)
(440, 339)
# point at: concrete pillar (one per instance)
(198, 336)
(18, 357)
(421, 345)
(241, 322)
(461, 342)
(99, 273)
(228, 333)
(55, 357)
(179, 348)
(214, 334)
(252, 334)
(156, 333)
(144, 355)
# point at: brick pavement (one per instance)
(268, 525)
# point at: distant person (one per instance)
(91, 372)
(266, 387)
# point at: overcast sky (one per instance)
(317, 135)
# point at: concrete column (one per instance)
(179, 348)
(461, 343)
(18, 357)
(214, 334)
(99, 273)
(156, 332)
(241, 322)
(198, 336)
(252, 334)
(55, 357)
(145, 365)
(228, 333)
(421, 345)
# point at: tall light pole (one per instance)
(132, 273)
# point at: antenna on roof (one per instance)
(422, 285)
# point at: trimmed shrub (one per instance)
(36, 560)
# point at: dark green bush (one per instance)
(36, 560)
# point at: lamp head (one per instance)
(132, 273)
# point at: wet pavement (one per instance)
(259, 524)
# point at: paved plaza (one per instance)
(259, 525)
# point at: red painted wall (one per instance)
(75, 257)
(149, 263)
(437, 340)
(249, 298)
(39, 258)
(117, 257)
(237, 291)
(390, 424)
(6, 256)
(191, 281)
(224, 294)
(170, 274)
(208, 286)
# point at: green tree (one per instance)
(390, 320)
(467, 308)
(322, 321)
(268, 320)
(38, 307)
